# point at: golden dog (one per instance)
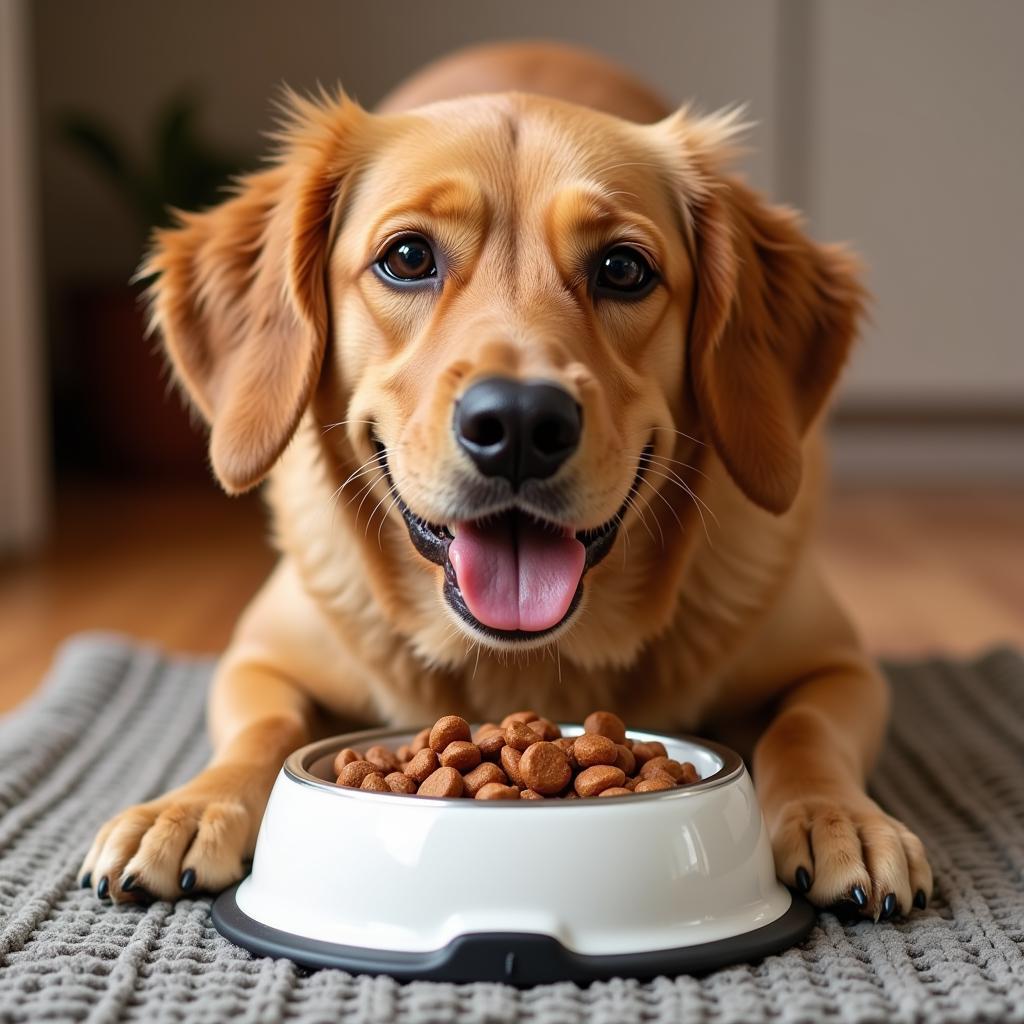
(535, 383)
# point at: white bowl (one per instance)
(525, 892)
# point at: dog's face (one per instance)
(528, 310)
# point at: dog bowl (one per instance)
(522, 892)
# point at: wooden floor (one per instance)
(921, 572)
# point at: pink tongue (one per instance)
(515, 574)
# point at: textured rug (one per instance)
(117, 723)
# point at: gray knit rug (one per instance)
(117, 723)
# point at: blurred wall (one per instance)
(896, 126)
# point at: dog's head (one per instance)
(522, 316)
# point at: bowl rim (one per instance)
(296, 769)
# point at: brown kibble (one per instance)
(491, 744)
(530, 794)
(546, 729)
(630, 784)
(645, 751)
(520, 736)
(496, 791)
(447, 730)
(519, 716)
(564, 743)
(354, 772)
(404, 753)
(376, 783)
(510, 758)
(383, 758)
(604, 723)
(423, 765)
(461, 755)
(345, 756)
(661, 764)
(483, 773)
(487, 729)
(592, 781)
(655, 784)
(399, 782)
(659, 774)
(593, 748)
(616, 791)
(443, 782)
(420, 741)
(545, 768)
(689, 774)
(624, 759)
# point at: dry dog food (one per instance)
(524, 757)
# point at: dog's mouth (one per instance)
(511, 575)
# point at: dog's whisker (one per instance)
(669, 506)
(631, 502)
(672, 476)
(387, 494)
(678, 462)
(369, 490)
(344, 423)
(384, 518)
(697, 502)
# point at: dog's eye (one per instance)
(409, 259)
(623, 271)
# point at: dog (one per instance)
(536, 384)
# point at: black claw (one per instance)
(127, 883)
(803, 879)
(858, 896)
(188, 879)
(87, 880)
(889, 906)
(103, 889)
(920, 900)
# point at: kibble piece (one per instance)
(616, 791)
(443, 782)
(461, 755)
(592, 781)
(564, 743)
(376, 783)
(655, 784)
(545, 729)
(420, 741)
(491, 744)
(689, 774)
(399, 782)
(510, 758)
(496, 791)
(624, 759)
(519, 735)
(593, 748)
(658, 774)
(383, 758)
(530, 794)
(354, 772)
(404, 753)
(545, 768)
(423, 765)
(519, 716)
(486, 730)
(604, 723)
(645, 751)
(483, 773)
(662, 764)
(345, 756)
(447, 730)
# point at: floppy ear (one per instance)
(774, 317)
(240, 297)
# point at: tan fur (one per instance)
(708, 612)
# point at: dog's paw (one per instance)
(197, 837)
(850, 851)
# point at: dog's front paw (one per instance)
(848, 850)
(196, 837)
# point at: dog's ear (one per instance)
(774, 316)
(240, 296)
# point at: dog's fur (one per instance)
(709, 613)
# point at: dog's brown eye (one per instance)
(409, 259)
(623, 270)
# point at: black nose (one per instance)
(517, 430)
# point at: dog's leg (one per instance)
(199, 835)
(810, 765)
